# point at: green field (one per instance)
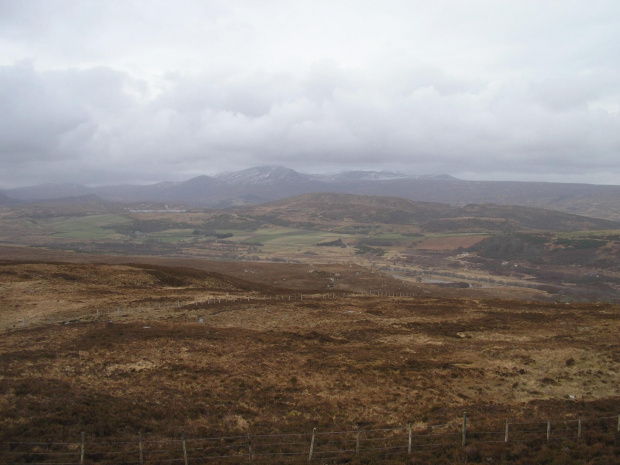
(94, 227)
(587, 234)
(290, 237)
(171, 235)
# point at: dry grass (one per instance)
(285, 366)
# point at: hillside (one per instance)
(326, 209)
(138, 358)
(5, 200)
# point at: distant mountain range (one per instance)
(269, 183)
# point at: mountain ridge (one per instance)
(269, 183)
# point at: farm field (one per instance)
(411, 257)
(113, 350)
(478, 249)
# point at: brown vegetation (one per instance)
(171, 359)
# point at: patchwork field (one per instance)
(515, 251)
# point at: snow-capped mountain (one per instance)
(262, 175)
(353, 176)
(359, 176)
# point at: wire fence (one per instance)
(314, 446)
(148, 310)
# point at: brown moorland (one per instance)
(117, 349)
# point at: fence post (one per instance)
(184, 448)
(82, 448)
(464, 438)
(409, 446)
(312, 444)
(140, 447)
(357, 441)
(250, 448)
(579, 428)
(548, 429)
(506, 432)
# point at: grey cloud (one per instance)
(331, 117)
(565, 93)
(214, 86)
(56, 114)
(228, 92)
(34, 114)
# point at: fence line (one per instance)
(119, 312)
(313, 445)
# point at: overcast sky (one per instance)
(106, 92)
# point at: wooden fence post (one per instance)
(506, 432)
(548, 429)
(312, 444)
(184, 448)
(578, 428)
(140, 447)
(250, 448)
(82, 448)
(357, 441)
(464, 434)
(409, 446)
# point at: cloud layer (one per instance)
(110, 92)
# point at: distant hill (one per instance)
(82, 205)
(5, 200)
(269, 183)
(50, 191)
(334, 210)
